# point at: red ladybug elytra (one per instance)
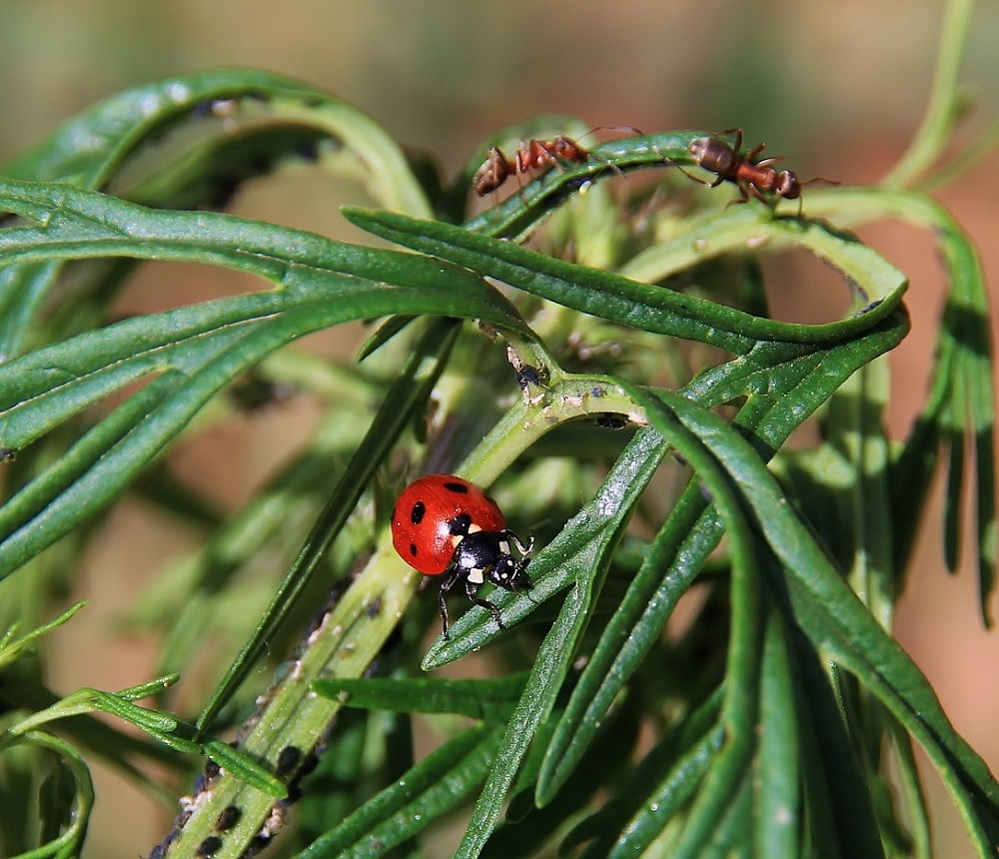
(442, 524)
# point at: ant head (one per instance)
(788, 185)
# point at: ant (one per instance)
(532, 155)
(750, 177)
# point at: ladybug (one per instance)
(443, 525)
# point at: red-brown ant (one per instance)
(537, 155)
(758, 179)
(532, 155)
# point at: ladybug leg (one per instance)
(446, 585)
(524, 549)
(472, 589)
(518, 582)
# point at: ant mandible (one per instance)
(532, 155)
(751, 178)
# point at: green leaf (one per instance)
(193, 351)
(476, 699)
(582, 548)
(161, 726)
(70, 842)
(11, 649)
(836, 793)
(429, 790)
(244, 768)
(529, 829)
(960, 408)
(661, 782)
(409, 391)
(276, 114)
(685, 541)
(777, 794)
(670, 795)
(639, 305)
(115, 127)
(839, 625)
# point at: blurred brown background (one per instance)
(838, 87)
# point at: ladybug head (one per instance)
(486, 556)
(509, 573)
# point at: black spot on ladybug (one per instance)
(228, 818)
(460, 524)
(460, 488)
(412, 549)
(288, 759)
(418, 512)
(209, 846)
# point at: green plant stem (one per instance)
(356, 628)
(962, 162)
(942, 107)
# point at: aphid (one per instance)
(752, 178)
(532, 155)
(228, 818)
(442, 524)
(209, 847)
(288, 759)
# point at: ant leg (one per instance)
(471, 588)
(737, 140)
(744, 191)
(638, 132)
(551, 155)
(757, 194)
(696, 179)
